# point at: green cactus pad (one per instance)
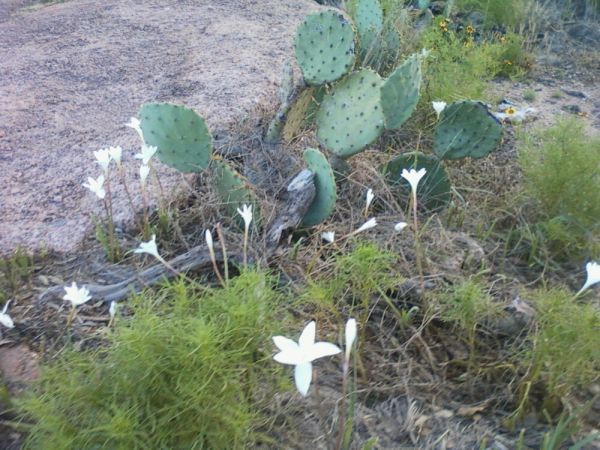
(324, 47)
(433, 190)
(466, 128)
(326, 195)
(368, 17)
(303, 112)
(181, 136)
(232, 187)
(351, 117)
(400, 92)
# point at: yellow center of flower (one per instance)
(470, 29)
(510, 111)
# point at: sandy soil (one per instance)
(72, 73)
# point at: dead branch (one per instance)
(299, 195)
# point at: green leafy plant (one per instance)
(507, 13)
(467, 305)
(355, 279)
(182, 372)
(561, 168)
(459, 67)
(562, 352)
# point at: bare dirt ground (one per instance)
(72, 73)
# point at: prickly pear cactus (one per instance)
(433, 190)
(303, 112)
(368, 17)
(181, 136)
(233, 189)
(326, 195)
(400, 92)
(466, 128)
(324, 47)
(351, 117)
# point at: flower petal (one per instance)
(7, 321)
(291, 358)
(350, 335)
(321, 349)
(307, 338)
(284, 344)
(303, 377)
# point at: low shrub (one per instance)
(460, 66)
(562, 351)
(355, 278)
(181, 373)
(497, 13)
(561, 168)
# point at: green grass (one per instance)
(561, 172)
(181, 373)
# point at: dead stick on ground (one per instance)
(300, 194)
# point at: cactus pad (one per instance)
(326, 194)
(368, 17)
(233, 189)
(181, 136)
(351, 117)
(433, 190)
(466, 128)
(400, 92)
(303, 112)
(324, 47)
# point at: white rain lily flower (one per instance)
(369, 199)
(96, 186)
(113, 309)
(5, 319)
(115, 154)
(302, 354)
(400, 226)
(246, 213)
(413, 177)
(144, 172)
(209, 241)
(77, 296)
(135, 123)
(350, 336)
(593, 275)
(328, 236)
(371, 223)
(146, 154)
(149, 247)
(103, 158)
(438, 107)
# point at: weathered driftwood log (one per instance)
(195, 260)
(298, 197)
